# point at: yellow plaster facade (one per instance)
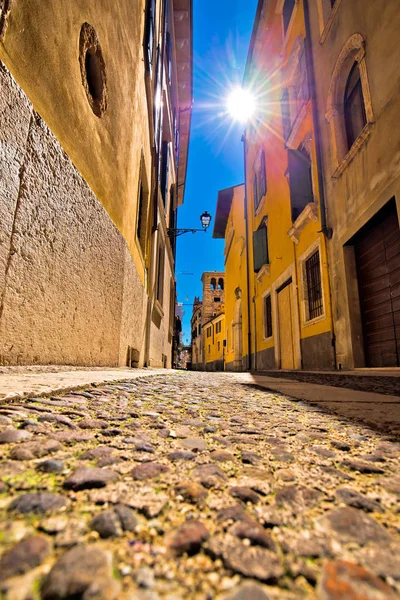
(230, 224)
(213, 342)
(290, 328)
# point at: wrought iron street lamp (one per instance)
(205, 219)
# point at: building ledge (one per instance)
(265, 270)
(309, 213)
(358, 144)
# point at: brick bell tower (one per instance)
(213, 293)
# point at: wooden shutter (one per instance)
(260, 248)
(299, 182)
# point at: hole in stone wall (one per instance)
(93, 69)
(93, 74)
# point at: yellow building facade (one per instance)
(214, 342)
(289, 294)
(231, 226)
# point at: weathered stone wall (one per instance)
(372, 177)
(67, 279)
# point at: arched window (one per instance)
(220, 283)
(213, 284)
(354, 107)
(349, 107)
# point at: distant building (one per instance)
(207, 353)
(229, 224)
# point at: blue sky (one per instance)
(222, 30)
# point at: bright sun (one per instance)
(241, 105)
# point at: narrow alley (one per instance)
(194, 486)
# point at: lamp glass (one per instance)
(205, 219)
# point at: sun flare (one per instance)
(241, 105)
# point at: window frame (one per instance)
(349, 96)
(352, 51)
(268, 327)
(306, 321)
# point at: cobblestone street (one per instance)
(194, 486)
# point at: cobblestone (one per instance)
(194, 486)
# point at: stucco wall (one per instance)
(317, 352)
(40, 47)
(67, 279)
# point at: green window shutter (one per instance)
(299, 182)
(260, 248)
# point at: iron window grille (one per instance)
(314, 286)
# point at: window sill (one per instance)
(265, 270)
(260, 206)
(159, 308)
(314, 321)
(329, 22)
(309, 213)
(358, 144)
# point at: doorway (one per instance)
(377, 252)
(286, 336)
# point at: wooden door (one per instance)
(285, 307)
(378, 263)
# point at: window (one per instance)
(168, 51)
(354, 108)
(160, 275)
(314, 286)
(287, 13)
(209, 348)
(164, 171)
(219, 346)
(260, 247)
(255, 192)
(209, 332)
(217, 299)
(149, 34)
(220, 283)
(218, 327)
(285, 108)
(267, 316)
(349, 107)
(259, 180)
(302, 90)
(300, 180)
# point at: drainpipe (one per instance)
(249, 362)
(327, 231)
